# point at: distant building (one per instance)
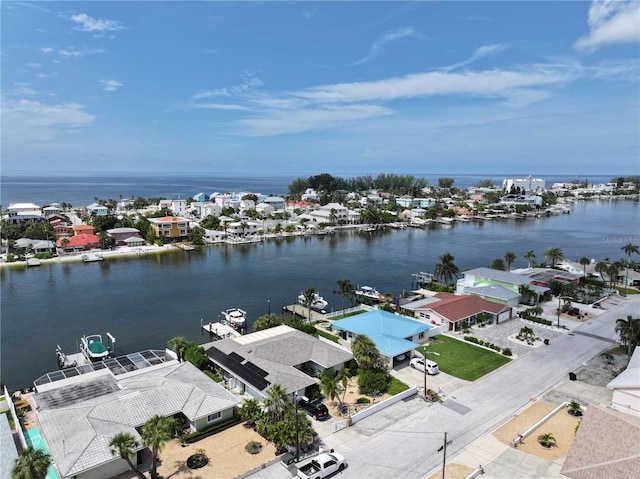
(98, 210)
(170, 228)
(527, 185)
(19, 212)
(522, 200)
(121, 235)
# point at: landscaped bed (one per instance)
(463, 360)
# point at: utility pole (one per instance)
(297, 429)
(444, 456)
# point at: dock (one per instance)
(185, 247)
(33, 262)
(303, 312)
(220, 331)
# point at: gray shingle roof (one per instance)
(497, 275)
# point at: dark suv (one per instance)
(315, 408)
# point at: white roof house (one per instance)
(78, 416)
(626, 387)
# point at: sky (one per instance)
(303, 88)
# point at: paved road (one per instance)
(403, 441)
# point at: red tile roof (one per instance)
(455, 307)
(80, 240)
(168, 219)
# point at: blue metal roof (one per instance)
(388, 331)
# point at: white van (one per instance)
(425, 364)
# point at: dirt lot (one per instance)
(562, 425)
(350, 397)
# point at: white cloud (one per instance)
(46, 49)
(482, 52)
(611, 22)
(110, 85)
(34, 65)
(88, 24)
(249, 82)
(310, 12)
(220, 106)
(36, 121)
(73, 52)
(387, 38)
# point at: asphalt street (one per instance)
(405, 440)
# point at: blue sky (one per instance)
(301, 88)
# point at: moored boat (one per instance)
(318, 303)
(368, 292)
(94, 348)
(234, 317)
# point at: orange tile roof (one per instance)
(168, 219)
(80, 240)
(457, 307)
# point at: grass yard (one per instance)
(463, 360)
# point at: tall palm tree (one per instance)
(446, 269)
(509, 257)
(309, 295)
(613, 270)
(179, 345)
(365, 351)
(629, 331)
(31, 463)
(329, 386)
(276, 402)
(601, 268)
(629, 249)
(527, 293)
(529, 256)
(156, 432)
(343, 376)
(345, 289)
(554, 255)
(584, 261)
(123, 444)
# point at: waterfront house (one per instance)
(168, 228)
(394, 335)
(242, 228)
(126, 236)
(452, 310)
(35, 245)
(201, 197)
(333, 213)
(78, 242)
(53, 209)
(276, 201)
(522, 200)
(281, 355)
(83, 229)
(79, 413)
(499, 286)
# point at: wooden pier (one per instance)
(219, 330)
(303, 312)
(185, 247)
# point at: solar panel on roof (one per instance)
(256, 369)
(235, 356)
(233, 363)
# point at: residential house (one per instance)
(121, 235)
(453, 310)
(276, 201)
(35, 245)
(330, 213)
(97, 209)
(521, 200)
(179, 207)
(52, 209)
(265, 209)
(78, 415)
(499, 286)
(170, 228)
(20, 212)
(201, 197)
(79, 242)
(83, 229)
(626, 387)
(281, 355)
(527, 185)
(242, 228)
(310, 195)
(394, 335)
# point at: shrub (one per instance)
(327, 335)
(253, 447)
(363, 400)
(507, 352)
(370, 380)
(213, 376)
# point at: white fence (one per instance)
(383, 404)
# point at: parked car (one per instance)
(322, 466)
(425, 364)
(314, 408)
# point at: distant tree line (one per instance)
(327, 184)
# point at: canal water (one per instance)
(145, 301)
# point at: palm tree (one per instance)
(526, 293)
(629, 331)
(309, 295)
(601, 268)
(613, 270)
(509, 257)
(276, 402)
(31, 464)
(547, 440)
(529, 256)
(250, 411)
(156, 432)
(343, 376)
(364, 351)
(123, 444)
(345, 289)
(329, 386)
(574, 408)
(498, 264)
(446, 269)
(554, 255)
(628, 249)
(584, 262)
(179, 345)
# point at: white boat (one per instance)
(234, 317)
(318, 303)
(368, 292)
(91, 257)
(94, 348)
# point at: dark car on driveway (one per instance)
(314, 408)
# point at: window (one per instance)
(421, 335)
(213, 417)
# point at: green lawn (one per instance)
(463, 360)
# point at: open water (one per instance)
(145, 301)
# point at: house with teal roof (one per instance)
(394, 335)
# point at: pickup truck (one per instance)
(315, 408)
(322, 466)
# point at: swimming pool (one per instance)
(34, 438)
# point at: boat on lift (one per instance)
(318, 303)
(234, 317)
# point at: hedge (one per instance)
(218, 427)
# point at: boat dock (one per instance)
(303, 312)
(219, 330)
(33, 262)
(185, 247)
